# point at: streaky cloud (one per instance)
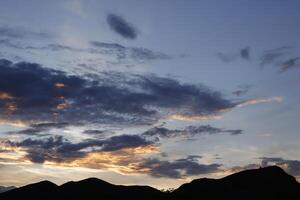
(21, 33)
(189, 131)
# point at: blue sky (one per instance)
(171, 90)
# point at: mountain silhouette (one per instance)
(264, 183)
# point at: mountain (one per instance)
(264, 183)
(4, 189)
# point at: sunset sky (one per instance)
(147, 92)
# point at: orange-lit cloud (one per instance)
(62, 106)
(15, 123)
(123, 161)
(11, 107)
(5, 96)
(193, 118)
(261, 100)
(60, 85)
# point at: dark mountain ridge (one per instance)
(264, 183)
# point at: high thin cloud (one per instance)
(189, 131)
(227, 58)
(21, 33)
(135, 53)
(273, 55)
(120, 26)
(242, 89)
(179, 168)
(119, 52)
(261, 100)
(243, 53)
(28, 90)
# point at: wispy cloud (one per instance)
(271, 56)
(261, 100)
(21, 33)
(243, 53)
(135, 53)
(242, 89)
(189, 131)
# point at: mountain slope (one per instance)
(267, 183)
(42, 190)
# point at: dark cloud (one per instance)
(120, 26)
(290, 63)
(94, 132)
(245, 53)
(271, 56)
(59, 149)
(39, 129)
(33, 94)
(124, 141)
(20, 33)
(189, 131)
(178, 168)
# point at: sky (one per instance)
(147, 92)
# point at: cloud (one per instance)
(107, 98)
(95, 132)
(245, 53)
(290, 166)
(59, 149)
(189, 131)
(243, 89)
(193, 118)
(21, 33)
(271, 56)
(118, 52)
(39, 129)
(290, 63)
(180, 168)
(135, 53)
(120, 26)
(261, 100)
